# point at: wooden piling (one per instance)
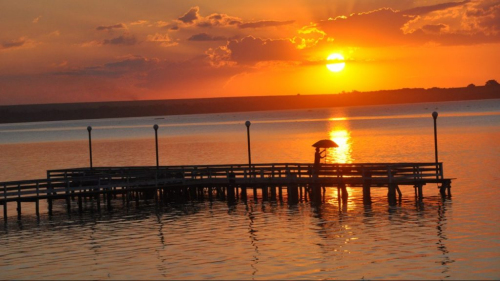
(391, 194)
(293, 194)
(5, 212)
(98, 198)
(37, 201)
(19, 209)
(273, 193)
(345, 194)
(80, 207)
(367, 181)
(265, 192)
(108, 200)
(243, 193)
(399, 192)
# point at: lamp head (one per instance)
(435, 115)
(248, 124)
(155, 127)
(89, 128)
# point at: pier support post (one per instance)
(49, 195)
(108, 200)
(316, 192)
(18, 209)
(367, 181)
(230, 194)
(230, 188)
(80, 207)
(50, 206)
(445, 186)
(37, 201)
(420, 192)
(293, 194)
(98, 197)
(345, 195)
(292, 189)
(273, 193)
(37, 207)
(265, 193)
(243, 193)
(392, 194)
(5, 212)
(210, 193)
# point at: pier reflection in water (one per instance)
(254, 240)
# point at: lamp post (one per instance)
(435, 116)
(156, 141)
(248, 140)
(89, 128)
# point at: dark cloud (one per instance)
(206, 37)
(264, 23)
(215, 20)
(252, 50)
(428, 9)
(434, 28)
(121, 40)
(13, 44)
(173, 27)
(191, 16)
(110, 27)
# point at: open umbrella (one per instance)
(325, 144)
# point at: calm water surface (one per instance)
(435, 239)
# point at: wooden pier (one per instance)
(292, 181)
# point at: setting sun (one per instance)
(337, 66)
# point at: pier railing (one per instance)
(386, 171)
(181, 183)
(60, 183)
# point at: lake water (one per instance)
(435, 239)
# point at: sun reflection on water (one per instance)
(341, 154)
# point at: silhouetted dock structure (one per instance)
(292, 182)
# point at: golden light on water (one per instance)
(341, 154)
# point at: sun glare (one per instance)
(341, 154)
(337, 66)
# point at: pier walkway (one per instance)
(293, 181)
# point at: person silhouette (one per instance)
(317, 157)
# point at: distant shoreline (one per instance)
(121, 109)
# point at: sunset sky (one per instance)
(54, 51)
